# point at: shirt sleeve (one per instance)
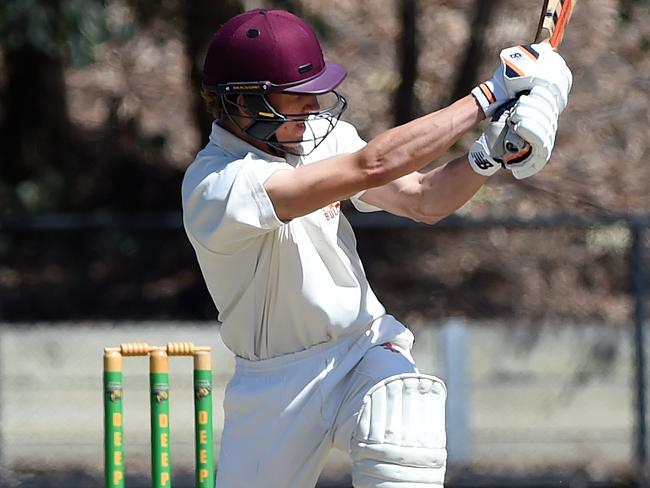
(362, 206)
(231, 206)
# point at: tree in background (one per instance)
(48, 164)
(406, 105)
(202, 18)
(405, 101)
(196, 22)
(467, 73)
(39, 38)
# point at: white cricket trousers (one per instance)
(283, 415)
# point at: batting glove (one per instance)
(530, 138)
(487, 154)
(522, 68)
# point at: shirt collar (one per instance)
(236, 146)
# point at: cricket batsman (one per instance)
(319, 361)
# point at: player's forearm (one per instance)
(410, 147)
(445, 189)
(395, 153)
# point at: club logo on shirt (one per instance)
(332, 210)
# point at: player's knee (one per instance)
(399, 441)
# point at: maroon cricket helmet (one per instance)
(273, 46)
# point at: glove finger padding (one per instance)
(533, 119)
(532, 123)
(538, 103)
(537, 153)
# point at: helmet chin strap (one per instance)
(274, 146)
(265, 120)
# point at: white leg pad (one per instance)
(399, 441)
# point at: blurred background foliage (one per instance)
(51, 162)
(100, 113)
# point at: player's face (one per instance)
(296, 105)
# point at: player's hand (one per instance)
(529, 140)
(522, 68)
(520, 138)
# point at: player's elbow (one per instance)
(424, 209)
(427, 216)
(374, 169)
(429, 219)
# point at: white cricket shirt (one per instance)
(279, 287)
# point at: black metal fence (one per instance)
(82, 229)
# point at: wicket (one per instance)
(159, 397)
